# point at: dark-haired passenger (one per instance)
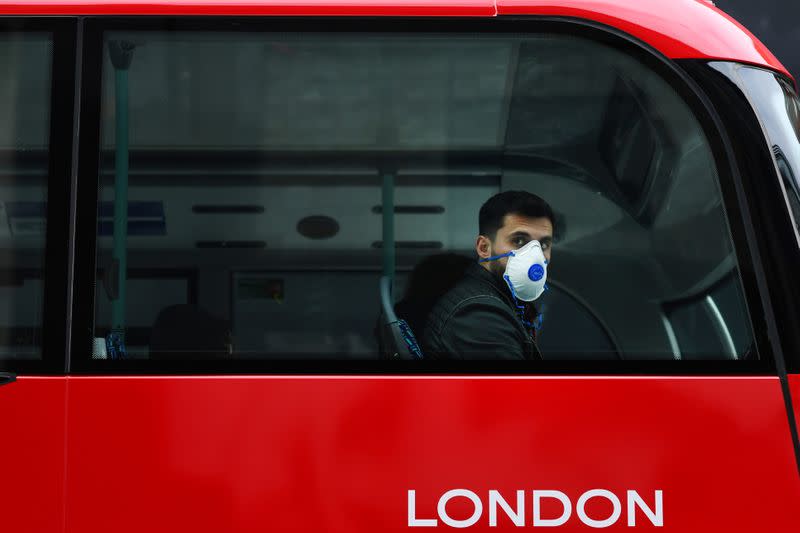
(489, 313)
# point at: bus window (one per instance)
(790, 184)
(25, 60)
(777, 104)
(709, 325)
(291, 172)
(570, 326)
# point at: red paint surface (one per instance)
(794, 390)
(453, 8)
(32, 412)
(338, 454)
(678, 28)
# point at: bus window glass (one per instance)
(289, 173)
(709, 327)
(25, 88)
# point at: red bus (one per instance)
(212, 214)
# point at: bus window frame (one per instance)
(89, 166)
(762, 184)
(61, 176)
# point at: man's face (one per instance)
(517, 231)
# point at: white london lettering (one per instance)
(537, 508)
(450, 494)
(413, 521)
(517, 516)
(559, 507)
(656, 517)
(599, 493)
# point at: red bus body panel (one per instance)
(338, 454)
(396, 8)
(794, 388)
(677, 28)
(32, 436)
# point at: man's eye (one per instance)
(520, 241)
(545, 246)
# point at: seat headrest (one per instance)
(185, 331)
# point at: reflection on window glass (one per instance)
(569, 327)
(777, 104)
(256, 189)
(25, 61)
(790, 184)
(729, 301)
(711, 326)
(694, 325)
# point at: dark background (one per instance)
(775, 22)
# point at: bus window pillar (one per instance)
(387, 201)
(121, 53)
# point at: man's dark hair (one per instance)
(520, 203)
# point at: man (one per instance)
(488, 314)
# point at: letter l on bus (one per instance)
(413, 521)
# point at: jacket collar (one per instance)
(479, 273)
(484, 276)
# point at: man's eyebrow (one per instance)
(522, 233)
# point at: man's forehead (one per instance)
(519, 223)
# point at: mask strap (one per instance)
(496, 257)
(520, 308)
(539, 319)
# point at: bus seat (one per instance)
(186, 331)
(430, 279)
(396, 339)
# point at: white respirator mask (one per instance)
(526, 271)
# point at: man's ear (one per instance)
(483, 246)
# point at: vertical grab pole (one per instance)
(121, 55)
(387, 196)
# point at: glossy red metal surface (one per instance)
(452, 8)
(794, 388)
(32, 415)
(679, 29)
(338, 454)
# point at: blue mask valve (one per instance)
(536, 272)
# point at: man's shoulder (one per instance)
(475, 319)
(471, 293)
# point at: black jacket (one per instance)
(477, 319)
